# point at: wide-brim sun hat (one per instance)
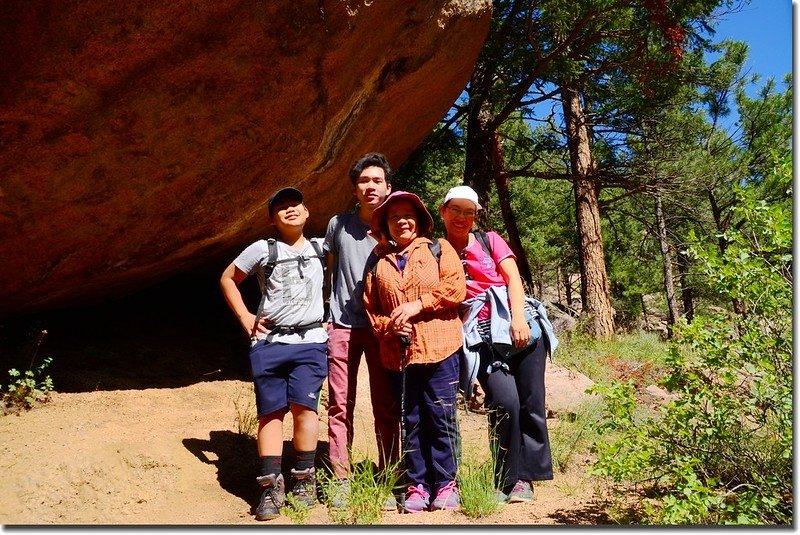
(463, 192)
(425, 224)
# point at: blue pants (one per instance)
(517, 417)
(432, 438)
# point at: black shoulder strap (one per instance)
(320, 254)
(371, 265)
(436, 250)
(272, 259)
(483, 239)
(435, 247)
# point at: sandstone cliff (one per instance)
(142, 138)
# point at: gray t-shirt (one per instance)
(294, 290)
(347, 238)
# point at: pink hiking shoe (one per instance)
(447, 497)
(417, 499)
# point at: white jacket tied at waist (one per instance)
(500, 328)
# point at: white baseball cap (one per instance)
(463, 192)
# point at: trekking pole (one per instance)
(405, 342)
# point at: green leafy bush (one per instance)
(29, 387)
(721, 452)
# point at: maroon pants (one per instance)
(345, 347)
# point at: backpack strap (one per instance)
(483, 239)
(272, 259)
(435, 248)
(371, 265)
(320, 254)
(269, 267)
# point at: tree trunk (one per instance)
(558, 286)
(594, 279)
(568, 288)
(644, 309)
(687, 293)
(540, 282)
(504, 196)
(722, 243)
(479, 164)
(669, 282)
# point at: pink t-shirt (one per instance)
(481, 269)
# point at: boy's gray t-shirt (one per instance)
(294, 290)
(347, 238)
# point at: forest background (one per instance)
(642, 173)
(643, 177)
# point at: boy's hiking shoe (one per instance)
(417, 499)
(305, 486)
(521, 493)
(273, 497)
(390, 504)
(339, 491)
(446, 497)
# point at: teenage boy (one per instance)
(288, 352)
(347, 247)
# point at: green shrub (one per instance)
(721, 453)
(29, 387)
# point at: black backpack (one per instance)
(272, 261)
(272, 258)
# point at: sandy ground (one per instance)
(174, 456)
(142, 430)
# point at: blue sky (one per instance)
(766, 26)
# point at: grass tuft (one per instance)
(295, 510)
(369, 490)
(476, 488)
(574, 435)
(246, 419)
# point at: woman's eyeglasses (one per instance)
(458, 212)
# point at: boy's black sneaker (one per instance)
(305, 486)
(273, 497)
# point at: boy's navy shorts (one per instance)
(287, 373)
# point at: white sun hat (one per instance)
(463, 192)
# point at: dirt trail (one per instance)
(174, 456)
(142, 428)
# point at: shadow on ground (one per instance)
(592, 514)
(236, 457)
(173, 334)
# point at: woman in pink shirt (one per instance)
(514, 385)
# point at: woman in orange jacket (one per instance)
(412, 294)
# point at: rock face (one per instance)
(141, 138)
